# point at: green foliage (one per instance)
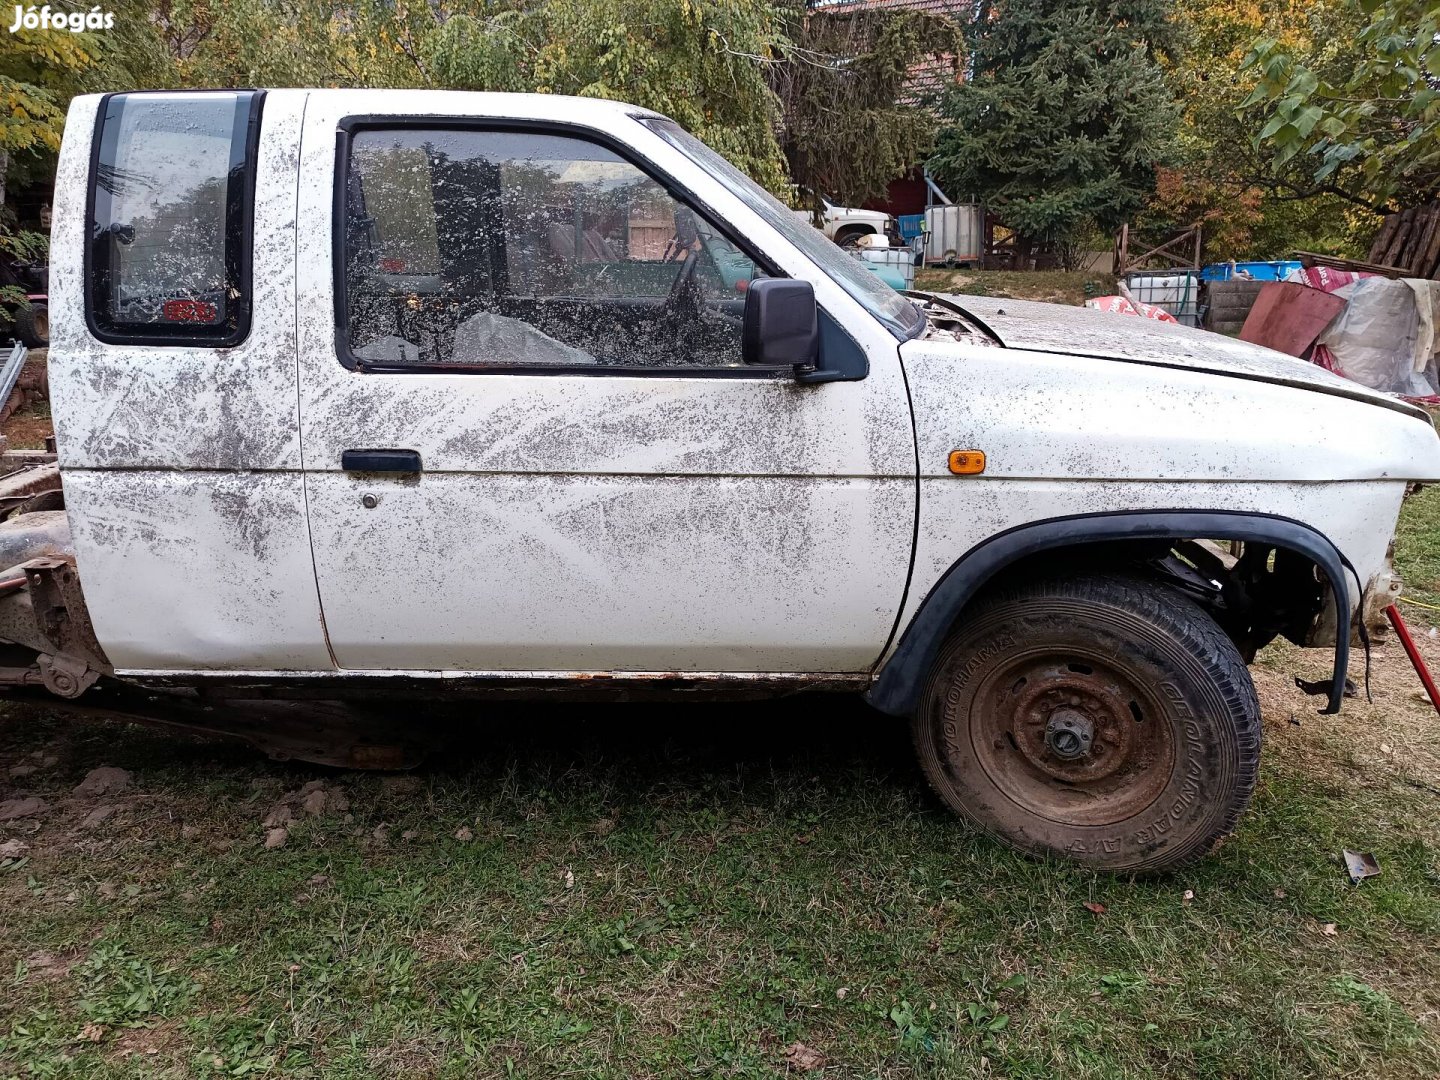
(1066, 117)
(848, 126)
(1371, 130)
(701, 64)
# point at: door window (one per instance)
(502, 249)
(170, 199)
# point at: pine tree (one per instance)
(1064, 118)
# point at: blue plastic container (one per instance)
(911, 226)
(1258, 271)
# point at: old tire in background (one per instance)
(32, 326)
(1101, 717)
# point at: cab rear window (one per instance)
(171, 197)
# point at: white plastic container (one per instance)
(899, 259)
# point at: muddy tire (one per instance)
(1101, 717)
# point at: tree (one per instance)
(703, 64)
(850, 123)
(1065, 117)
(1371, 130)
(1218, 179)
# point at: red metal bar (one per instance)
(1393, 614)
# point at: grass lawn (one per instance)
(689, 891)
(1054, 286)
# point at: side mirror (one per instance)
(782, 325)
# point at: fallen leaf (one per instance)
(1280, 894)
(11, 809)
(1095, 908)
(276, 838)
(280, 815)
(409, 834)
(805, 1058)
(1386, 748)
(1329, 929)
(106, 780)
(314, 803)
(13, 849)
(465, 834)
(842, 992)
(98, 816)
(92, 1032)
(1187, 896)
(569, 878)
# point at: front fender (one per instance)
(901, 678)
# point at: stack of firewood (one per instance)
(1410, 242)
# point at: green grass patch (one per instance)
(644, 892)
(1055, 286)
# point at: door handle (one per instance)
(397, 461)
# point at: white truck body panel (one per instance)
(569, 523)
(182, 464)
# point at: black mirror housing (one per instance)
(782, 325)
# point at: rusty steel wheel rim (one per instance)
(1072, 736)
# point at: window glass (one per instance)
(518, 249)
(897, 312)
(171, 196)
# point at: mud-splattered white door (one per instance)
(529, 442)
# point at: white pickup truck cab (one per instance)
(426, 393)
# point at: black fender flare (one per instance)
(901, 679)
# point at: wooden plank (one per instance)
(1311, 258)
(1289, 316)
(1419, 234)
(1428, 252)
(1397, 242)
(1419, 263)
(1388, 225)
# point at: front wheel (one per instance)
(1100, 717)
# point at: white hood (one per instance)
(1079, 331)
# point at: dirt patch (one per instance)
(1390, 736)
(29, 427)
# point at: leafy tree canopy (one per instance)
(1370, 131)
(851, 120)
(1219, 179)
(1066, 116)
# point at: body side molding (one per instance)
(901, 679)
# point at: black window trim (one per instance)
(239, 249)
(349, 125)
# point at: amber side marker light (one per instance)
(967, 462)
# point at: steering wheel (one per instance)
(684, 295)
